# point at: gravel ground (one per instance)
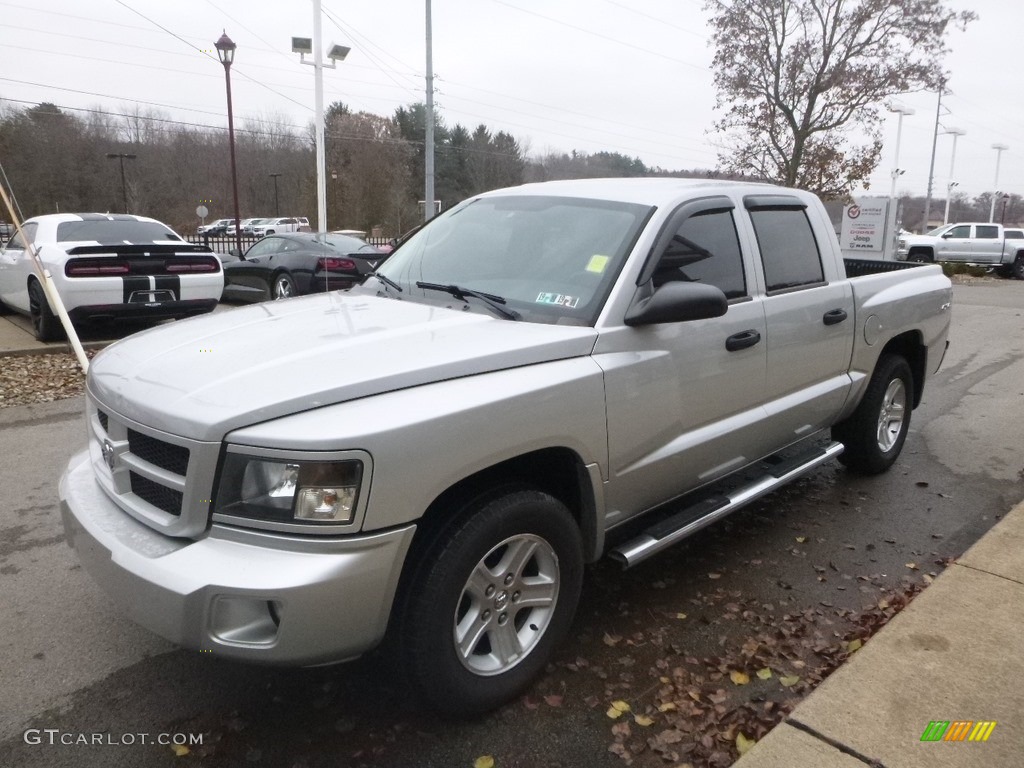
(26, 379)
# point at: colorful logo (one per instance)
(958, 730)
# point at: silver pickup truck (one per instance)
(540, 376)
(983, 245)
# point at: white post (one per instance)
(957, 132)
(428, 149)
(321, 164)
(995, 184)
(901, 111)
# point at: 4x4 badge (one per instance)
(108, 454)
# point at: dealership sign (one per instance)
(864, 225)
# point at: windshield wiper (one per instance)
(460, 293)
(388, 281)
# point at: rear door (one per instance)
(15, 267)
(684, 398)
(987, 244)
(809, 309)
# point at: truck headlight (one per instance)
(288, 490)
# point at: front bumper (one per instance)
(257, 597)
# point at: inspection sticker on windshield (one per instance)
(598, 263)
(558, 299)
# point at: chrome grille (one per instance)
(160, 479)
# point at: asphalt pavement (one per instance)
(937, 686)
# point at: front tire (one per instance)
(44, 323)
(489, 599)
(874, 434)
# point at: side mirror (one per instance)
(677, 302)
(235, 252)
(946, 235)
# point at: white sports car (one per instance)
(108, 266)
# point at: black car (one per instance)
(279, 266)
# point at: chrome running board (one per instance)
(692, 519)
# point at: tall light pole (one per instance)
(277, 208)
(956, 133)
(124, 187)
(428, 139)
(226, 52)
(896, 172)
(995, 184)
(304, 46)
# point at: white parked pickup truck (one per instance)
(983, 244)
(522, 388)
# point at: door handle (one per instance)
(834, 316)
(742, 340)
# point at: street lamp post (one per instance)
(995, 184)
(124, 187)
(303, 46)
(896, 172)
(226, 51)
(956, 133)
(277, 207)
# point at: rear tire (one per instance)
(44, 323)
(1018, 267)
(488, 598)
(874, 434)
(283, 287)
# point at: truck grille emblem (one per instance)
(108, 454)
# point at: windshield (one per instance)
(553, 259)
(107, 232)
(939, 230)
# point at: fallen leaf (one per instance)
(921, 484)
(668, 706)
(680, 616)
(611, 639)
(617, 708)
(801, 539)
(714, 575)
(854, 645)
(743, 744)
(739, 678)
(765, 673)
(643, 720)
(484, 761)
(912, 566)
(553, 700)
(788, 681)
(180, 750)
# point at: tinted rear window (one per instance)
(107, 232)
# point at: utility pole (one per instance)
(428, 171)
(124, 187)
(999, 148)
(277, 207)
(931, 168)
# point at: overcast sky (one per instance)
(629, 76)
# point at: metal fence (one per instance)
(224, 243)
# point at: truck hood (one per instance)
(202, 378)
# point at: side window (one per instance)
(705, 249)
(964, 230)
(265, 247)
(789, 251)
(990, 231)
(30, 234)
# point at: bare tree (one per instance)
(797, 78)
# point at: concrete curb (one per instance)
(956, 653)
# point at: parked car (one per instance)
(218, 227)
(107, 266)
(984, 244)
(303, 223)
(230, 230)
(276, 226)
(249, 224)
(281, 266)
(525, 382)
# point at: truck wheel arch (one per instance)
(560, 472)
(921, 254)
(911, 348)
